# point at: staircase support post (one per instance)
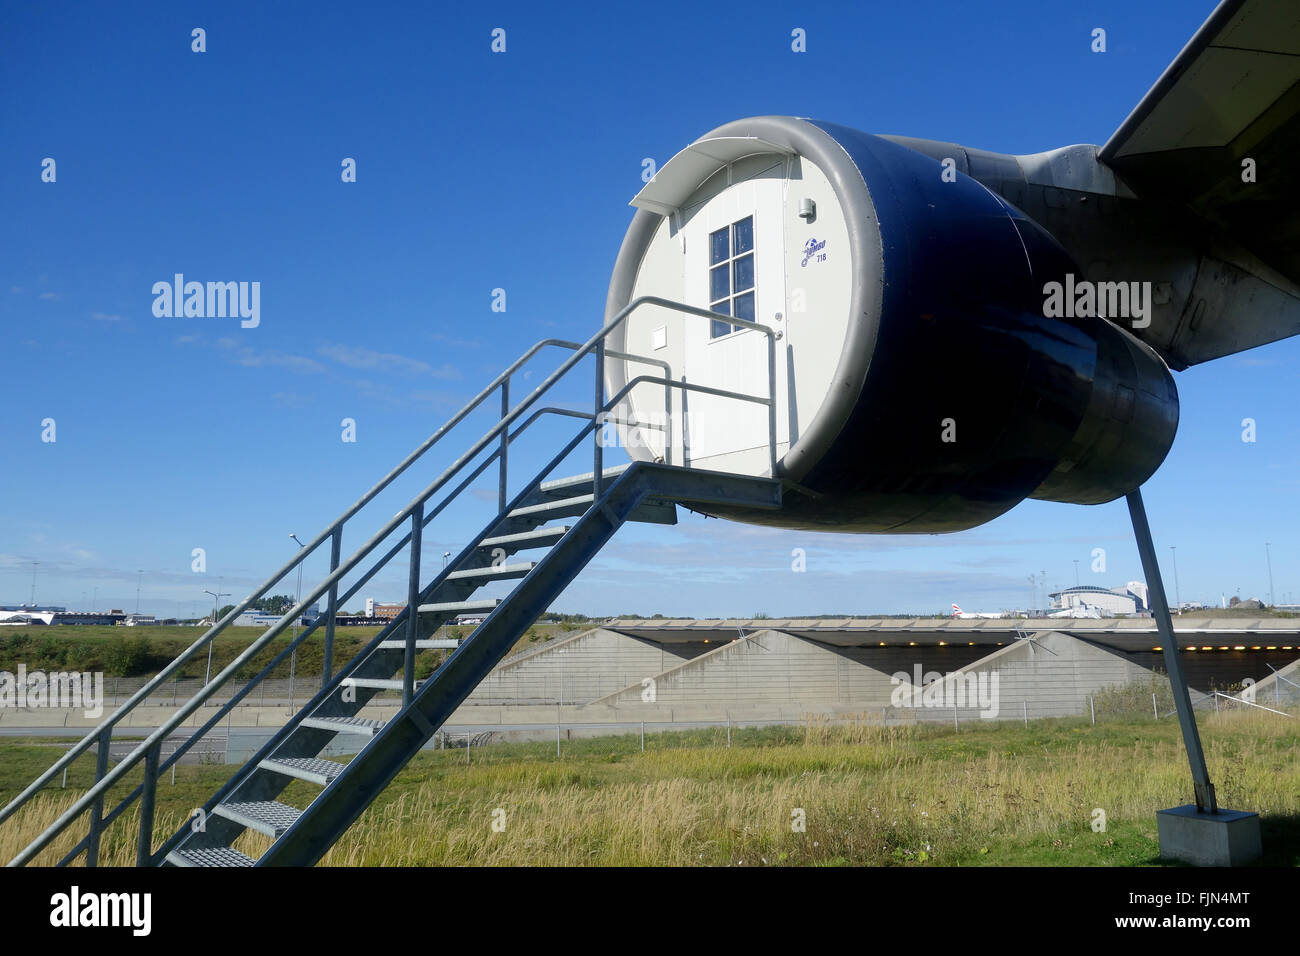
(144, 847)
(598, 459)
(505, 446)
(97, 809)
(412, 606)
(332, 607)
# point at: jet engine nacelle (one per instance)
(928, 385)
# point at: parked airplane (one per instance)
(958, 612)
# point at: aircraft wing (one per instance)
(1232, 94)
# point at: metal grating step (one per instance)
(435, 644)
(344, 725)
(560, 507)
(650, 511)
(265, 816)
(542, 537)
(501, 572)
(575, 482)
(311, 769)
(209, 856)
(376, 683)
(459, 607)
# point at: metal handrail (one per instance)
(383, 634)
(401, 618)
(147, 748)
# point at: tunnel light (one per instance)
(1286, 647)
(1239, 647)
(1189, 648)
(1161, 648)
(971, 644)
(882, 643)
(1255, 647)
(1207, 648)
(911, 643)
(943, 643)
(1224, 647)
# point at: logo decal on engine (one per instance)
(813, 247)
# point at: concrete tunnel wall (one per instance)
(580, 668)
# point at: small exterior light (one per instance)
(807, 209)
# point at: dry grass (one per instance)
(867, 794)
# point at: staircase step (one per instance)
(311, 769)
(542, 537)
(344, 725)
(429, 645)
(265, 816)
(375, 683)
(459, 607)
(576, 482)
(209, 856)
(502, 572)
(648, 512)
(557, 508)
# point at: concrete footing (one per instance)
(1226, 838)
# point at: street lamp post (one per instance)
(1178, 598)
(1269, 558)
(216, 597)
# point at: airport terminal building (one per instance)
(1131, 599)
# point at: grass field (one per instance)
(905, 796)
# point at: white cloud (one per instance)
(354, 356)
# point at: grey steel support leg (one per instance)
(412, 607)
(144, 849)
(331, 608)
(1205, 801)
(503, 457)
(97, 809)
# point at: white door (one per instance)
(735, 265)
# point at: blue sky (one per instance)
(478, 171)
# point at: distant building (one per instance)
(49, 616)
(264, 619)
(383, 612)
(1131, 599)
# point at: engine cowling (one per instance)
(955, 396)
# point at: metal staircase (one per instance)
(599, 502)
